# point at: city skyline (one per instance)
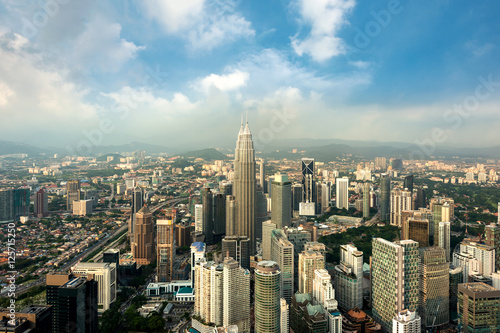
(307, 60)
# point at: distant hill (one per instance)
(207, 154)
(8, 147)
(116, 157)
(133, 146)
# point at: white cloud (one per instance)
(228, 82)
(325, 17)
(204, 24)
(5, 93)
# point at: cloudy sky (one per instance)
(170, 72)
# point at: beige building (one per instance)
(82, 207)
(309, 261)
(165, 250)
(143, 245)
(105, 274)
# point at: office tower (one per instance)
(401, 200)
(434, 288)
(238, 248)
(297, 196)
(219, 214)
(262, 174)
(309, 261)
(41, 203)
(72, 193)
(74, 303)
(281, 199)
(385, 193)
(32, 319)
(230, 215)
(282, 254)
(298, 238)
(269, 186)
(308, 180)
(442, 210)
(165, 250)
(143, 247)
(197, 254)
(136, 205)
(366, 201)
(91, 195)
(244, 186)
(408, 183)
(421, 201)
(394, 276)
(314, 237)
(198, 218)
(444, 238)
(482, 258)
(226, 188)
(82, 207)
(105, 274)
(267, 228)
(209, 292)
(349, 278)
(381, 163)
(418, 230)
(306, 317)
(261, 214)
(342, 193)
(423, 214)
(284, 316)
(456, 277)
(111, 256)
(326, 191)
(406, 322)
(493, 239)
(236, 299)
(7, 205)
(183, 235)
(267, 297)
(208, 217)
(478, 307)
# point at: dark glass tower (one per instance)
(208, 216)
(308, 183)
(385, 196)
(409, 183)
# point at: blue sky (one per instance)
(170, 72)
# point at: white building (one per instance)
(406, 322)
(236, 300)
(197, 253)
(401, 200)
(342, 193)
(284, 320)
(198, 218)
(82, 207)
(324, 295)
(444, 238)
(485, 255)
(105, 275)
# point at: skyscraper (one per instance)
(385, 193)
(198, 217)
(493, 240)
(366, 201)
(231, 215)
(267, 228)
(219, 214)
(443, 211)
(244, 186)
(421, 201)
(143, 247)
(478, 307)
(74, 303)
(309, 261)
(209, 292)
(342, 193)
(408, 183)
(282, 254)
(165, 250)
(105, 274)
(72, 193)
(434, 289)
(236, 299)
(297, 196)
(281, 201)
(267, 297)
(262, 174)
(41, 204)
(137, 204)
(444, 238)
(208, 216)
(308, 180)
(349, 278)
(238, 248)
(418, 230)
(326, 192)
(394, 276)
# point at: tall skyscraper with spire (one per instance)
(244, 189)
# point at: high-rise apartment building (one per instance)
(324, 295)
(493, 239)
(299, 239)
(143, 247)
(394, 276)
(381, 163)
(74, 303)
(238, 248)
(72, 193)
(105, 274)
(406, 322)
(198, 218)
(385, 197)
(165, 249)
(244, 187)
(285, 314)
(236, 299)
(309, 261)
(434, 289)
(478, 307)
(401, 200)
(349, 278)
(342, 193)
(209, 292)
(281, 201)
(198, 250)
(444, 238)
(443, 211)
(481, 257)
(282, 254)
(366, 201)
(267, 297)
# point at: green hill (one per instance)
(207, 154)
